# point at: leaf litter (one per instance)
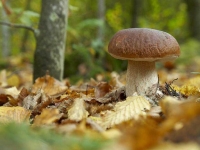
(101, 109)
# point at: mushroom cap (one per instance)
(142, 44)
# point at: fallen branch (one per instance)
(12, 25)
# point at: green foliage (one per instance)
(114, 17)
(22, 137)
(83, 48)
(81, 62)
(167, 16)
(189, 50)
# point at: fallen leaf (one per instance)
(187, 89)
(12, 92)
(102, 89)
(3, 78)
(141, 134)
(14, 114)
(176, 146)
(49, 85)
(47, 117)
(31, 101)
(132, 107)
(77, 112)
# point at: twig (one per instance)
(12, 25)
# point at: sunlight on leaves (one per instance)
(131, 108)
(77, 112)
(49, 85)
(47, 117)
(14, 114)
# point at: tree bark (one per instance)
(193, 7)
(50, 47)
(6, 34)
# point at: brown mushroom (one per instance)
(142, 47)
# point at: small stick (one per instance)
(12, 25)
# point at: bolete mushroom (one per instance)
(142, 47)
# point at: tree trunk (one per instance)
(193, 7)
(101, 16)
(50, 47)
(6, 49)
(135, 13)
(26, 32)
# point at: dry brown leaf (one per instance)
(102, 89)
(111, 134)
(49, 85)
(155, 112)
(185, 132)
(14, 114)
(176, 146)
(169, 104)
(3, 78)
(31, 101)
(77, 112)
(187, 89)
(12, 92)
(23, 93)
(194, 81)
(47, 117)
(178, 113)
(13, 79)
(115, 80)
(190, 87)
(141, 134)
(132, 107)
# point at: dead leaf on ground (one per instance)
(102, 89)
(141, 134)
(14, 114)
(132, 107)
(3, 78)
(77, 112)
(49, 85)
(47, 117)
(175, 146)
(31, 101)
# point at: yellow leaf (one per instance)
(191, 87)
(77, 112)
(12, 92)
(13, 80)
(49, 85)
(3, 78)
(176, 146)
(189, 90)
(16, 114)
(47, 117)
(132, 107)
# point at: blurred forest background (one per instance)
(91, 24)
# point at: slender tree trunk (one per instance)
(6, 49)
(50, 47)
(193, 7)
(26, 32)
(101, 16)
(135, 12)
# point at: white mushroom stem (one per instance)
(141, 78)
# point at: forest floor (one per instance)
(96, 114)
